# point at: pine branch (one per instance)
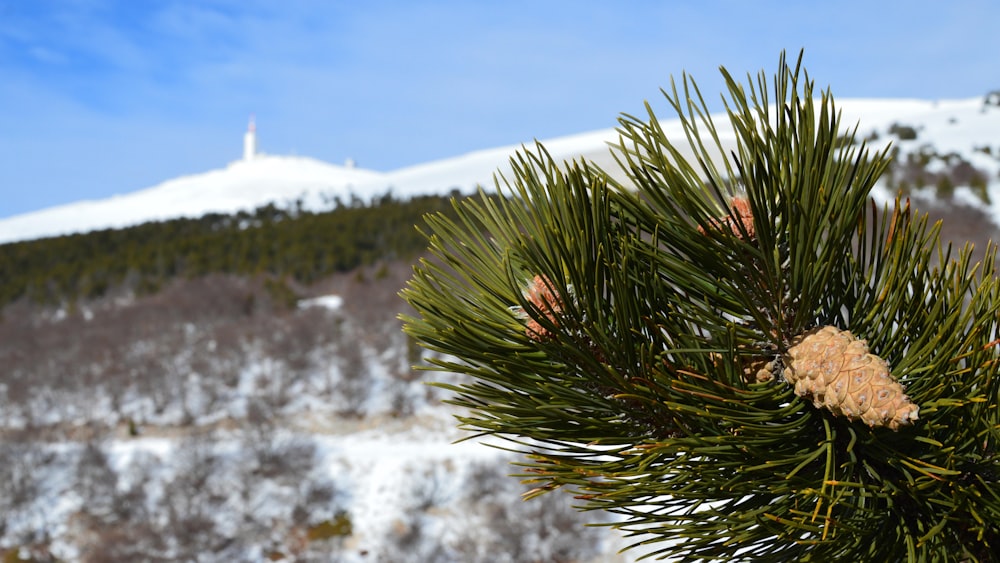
(657, 346)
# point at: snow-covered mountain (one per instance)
(248, 184)
(968, 129)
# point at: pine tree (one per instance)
(743, 356)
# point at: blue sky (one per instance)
(99, 97)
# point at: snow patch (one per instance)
(331, 302)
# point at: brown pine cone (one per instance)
(836, 370)
(740, 212)
(540, 294)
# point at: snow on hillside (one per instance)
(964, 127)
(246, 185)
(242, 185)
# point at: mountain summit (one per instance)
(244, 184)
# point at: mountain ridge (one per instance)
(964, 127)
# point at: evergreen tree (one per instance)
(742, 355)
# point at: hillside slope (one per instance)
(210, 422)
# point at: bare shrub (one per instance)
(19, 465)
(293, 338)
(903, 132)
(352, 388)
(500, 527)
(193, 498)
(373, 301)
(96, 482)
(22, 467)
(124, 544)
(287, 459)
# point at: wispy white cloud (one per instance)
(392, 83)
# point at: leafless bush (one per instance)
(96, 482)
(22, 468)
(354, 383)
(295, 337)
(125, 544)
(501, 527)
(123, 529)
(195, 498)
(284, 458)
(19, 468)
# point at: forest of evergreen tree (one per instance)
(292, 242)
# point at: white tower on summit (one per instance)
(250, 140)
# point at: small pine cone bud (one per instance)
(540, 294)
(758, 370)
(740, 212)
(836, 370)
(755, 369)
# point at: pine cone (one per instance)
(740, 212)
(540, 294)
(758, 370)
(836, 370)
